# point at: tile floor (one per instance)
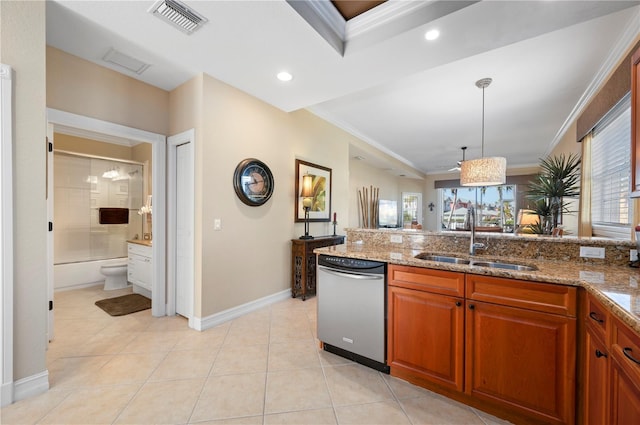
(261, 368)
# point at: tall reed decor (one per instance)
(558, 180)
(368, 203)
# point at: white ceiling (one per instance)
(409, 97)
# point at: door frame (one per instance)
(172, 146)
(158, 219)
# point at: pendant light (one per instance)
(489, 171)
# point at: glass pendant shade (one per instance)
(489, 171)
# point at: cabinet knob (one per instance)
(472, 306)
(595, 317)
(600, 354)
(458, 303)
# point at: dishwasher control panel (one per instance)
(352, 264)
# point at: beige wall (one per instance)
(65, 142)
(84, 88)
(22, 41)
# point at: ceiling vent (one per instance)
(127, 62)
(179, 15)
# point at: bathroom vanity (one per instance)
(140, 266)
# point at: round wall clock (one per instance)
(253, 182)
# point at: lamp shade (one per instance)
(307, 186)
(489, 171)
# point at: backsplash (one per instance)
(500, 245)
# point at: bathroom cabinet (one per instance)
(139, 267)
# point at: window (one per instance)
(495, 207)
(411, 209)
(611, 211)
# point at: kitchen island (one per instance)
(470, 331)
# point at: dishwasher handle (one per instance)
(351, 275)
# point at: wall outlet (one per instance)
(217, 224)
(591, 252)
(633, 255)
(395, 256)
(396, 238)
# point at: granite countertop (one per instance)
(617, 287)
(144, 242)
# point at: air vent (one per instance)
(127, 62)
(179, 15)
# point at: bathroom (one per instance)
(101, 198)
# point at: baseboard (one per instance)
(31, 386)
(208, 322)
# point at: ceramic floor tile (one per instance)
(167, 402)
(330, 359)
(241, 359)
(299, 389)
(241, 336)
(210, 339)
(173, 323)
(92, 406)
(293, 355)
(355, 384)
(309, 417)
(231, 396)
(184, 365)
(105, 343)
(75, 372)
(290, 333)
(403, 389)
(30, 410)
(247, 420)
(152, 342)
(439, 410)
(490, 419)
(381, 413)
(128, 368)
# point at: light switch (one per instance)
(217, 224)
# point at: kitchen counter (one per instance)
(615, 286)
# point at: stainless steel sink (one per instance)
(442, 258)
(507, 266)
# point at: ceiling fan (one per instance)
(457, 167)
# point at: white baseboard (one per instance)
(31, 386)
(201, 324)
(6, 394)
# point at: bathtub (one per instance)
(81, 274)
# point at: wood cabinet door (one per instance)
(522, 360)
(426, 337)
(596, 379)
(625, 388)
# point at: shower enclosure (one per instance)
(82, 186)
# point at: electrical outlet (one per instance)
(217, 224)
(591, 252)
(395, 256)
(396, 238)
(633, 255)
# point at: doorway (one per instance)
(66, 121)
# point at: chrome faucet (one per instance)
(473, 245)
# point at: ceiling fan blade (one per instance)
(455, 168)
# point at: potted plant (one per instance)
(558, 180)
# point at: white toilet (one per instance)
(115, 276)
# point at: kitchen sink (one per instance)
(442, 258)
(507, 266)
(464, 261)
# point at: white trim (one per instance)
(201, 324)
(188, 136)
(158, 141)
(6, 237)
(385, 13)
(31, 385)
(615, 55)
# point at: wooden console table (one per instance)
(303, 263)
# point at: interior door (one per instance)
(184, 230)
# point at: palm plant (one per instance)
(558, 180)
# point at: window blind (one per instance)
(611, 168)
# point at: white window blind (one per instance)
(611, 169)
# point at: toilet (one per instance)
(115, 276)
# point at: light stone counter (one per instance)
(144, 242)
(611, 281)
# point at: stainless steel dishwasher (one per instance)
(352, 309)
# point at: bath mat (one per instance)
(126, 304)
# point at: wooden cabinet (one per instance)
(303, 263)
(596, 383)
(521, 347)
(426, 328)
(624, 376)
(635, 124)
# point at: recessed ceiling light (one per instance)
(432, 35)
(285, 76)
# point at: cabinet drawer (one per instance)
(544, 297)
(629, 343)
(138, 249)
(598, 318)
(435, 281)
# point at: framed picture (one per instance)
(321, 200)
